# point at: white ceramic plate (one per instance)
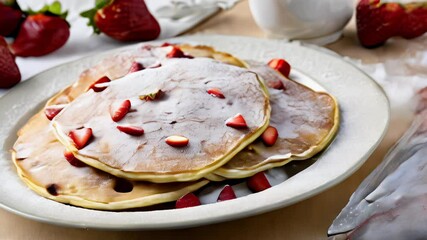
(364, 119)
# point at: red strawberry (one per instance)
(10, 18)
(177, 53)
(52, 111)
(93, 86)
(177, 141)
(123, 20)
(42, 33)
(281, 66)
(119, 112)
(81, 137)
(258, 182)
(269, 136)
(227, 193)
(215, 92)
(135, 67)
(188, 200)
(166, 44)
(414, 24)
(276, 84)
(73, 160)
(236, 122)
(131, 130)
(9, 71)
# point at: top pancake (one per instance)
(185, 109)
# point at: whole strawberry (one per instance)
(377, 21)
(9, 72)
(42, 32)
(123, 20)
(10, 18)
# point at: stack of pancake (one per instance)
(153, 124)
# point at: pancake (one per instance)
(186, 109)
(40, 163)
(306, 121)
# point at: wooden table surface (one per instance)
(308, 219)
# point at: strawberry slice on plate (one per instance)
(258, 182)
(227, 193)
(188, 200)
(120, 111)
(53, 110)
(136, 67)
(269, 136)
(96, 88)
(73, 160)
(215, 92)
(42, 32)
(123, 20)
(131, 130)
(280, 65)
(81, 137)
(236, 122)
(177, 141)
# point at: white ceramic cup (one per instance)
(315, 21)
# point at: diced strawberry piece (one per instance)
(269, 136)
(135, 67)
(258, 182)
(81, 137)
(281, 66)
(166, 44)
(93, 86)
(215, 92)
(236, 122)
(276, 84)
(177, 53)
(131, 130)
(73, 160)
(120, 111)
(177, 141)
(188, 200)
(227, 193)
(52, 111)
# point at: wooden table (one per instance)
(308, 219)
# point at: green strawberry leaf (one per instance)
(53, 9)
(90, 14)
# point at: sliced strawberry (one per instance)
(177, 53)
(123, 20)
(73, 160)
(157, 94)
(227, 193)
(269, 136)
(177, 141)
(135, 67)
(52, 111)
(281, 66)
(188, 200)
(93, 86)
(276, 84)
(9, 71)
(166, 44)
(42, 32)
(10, 18)
(236, 122)
(131, 130)
(258, 182)
(215, 92)
(120, 111)
(81, 137)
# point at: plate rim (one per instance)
(218, 218)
